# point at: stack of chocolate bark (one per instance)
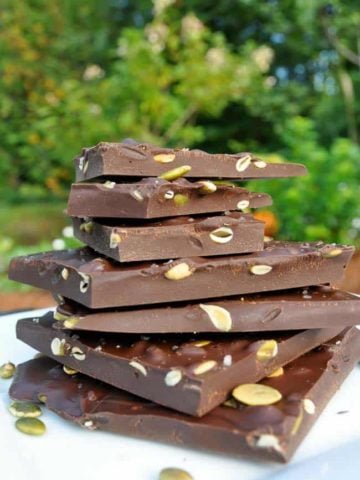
(229, 343)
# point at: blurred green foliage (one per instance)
(271, 77)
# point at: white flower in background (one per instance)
(263, 56)
(156, 35)
(95, 109)
(51, 99)
(123, 48)
(161, 5)
(93, 72)
(191, 26)
(215, 57)
(270, 81)
(356, 223)
(68, 232)
(58, 244)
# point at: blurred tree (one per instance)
(232, 75)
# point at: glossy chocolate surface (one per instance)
(311, 307)
(157, 198)
(173, 237)
(207, 367)
(139, 159)
(269, 432)
(98, 282)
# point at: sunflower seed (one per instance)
(243, 163)
(65, 273)
(164, 157)
(78, 354)
(57, 347)
(309, 406)
(219, 316)
(179, 272)
(204, 367)
(138, 366)
(169, 195)
(84, 282)
(242, 204)
(276, 373)
(260, 164)
(173, 377)
(260, 269)
(207, 187)
(115, 239)
(256, 394)
(175, 173)
(269, 349)
(222, 235)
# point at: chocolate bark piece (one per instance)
(97, 282)
(270, 432)
(187, 373)
(145, 160)
(311, 307)
(173, 237)
(157, 198)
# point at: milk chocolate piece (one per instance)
(189, 374)
(157, 198)
(269, 432)
(145, 160)
(172, 238)
(98, 282)
(311, 307)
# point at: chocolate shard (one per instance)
(97, 282)
(145, 160)
(173, 237)
(311, 307)
(271, 432)
(187, 373)
(158, 198)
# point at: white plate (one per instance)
(331, 450)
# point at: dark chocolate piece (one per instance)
(189, 374)
(172, 238)
(312, 307)
(270, 432)
(157, 198)
(145, 160)
(98, 282)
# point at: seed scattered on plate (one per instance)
(7, 370)
(25, 409)
(174, 474)
(30, 426)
